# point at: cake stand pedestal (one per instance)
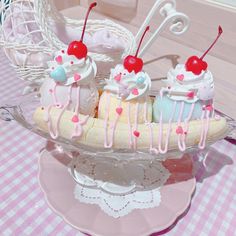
(56, 181)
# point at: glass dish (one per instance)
(90, 219)
(21, 110)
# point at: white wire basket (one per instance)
(28, 38)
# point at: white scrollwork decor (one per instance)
(178, 22)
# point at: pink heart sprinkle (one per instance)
(209, 107)
(77, 77)
(179, 130)
(180, 77)
(59, 59)
(119, 110)
(50, 91)
(136, 133)
(135, 91)
(190, 95)
(118, 78)
(75, 119)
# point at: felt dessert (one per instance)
(124, 119)
(125, 98)
(188, 96)
(189, 91)
(125, 94)
(70, 85)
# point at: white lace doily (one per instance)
(118, 187)
(118, 205)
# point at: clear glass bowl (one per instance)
(21, 110)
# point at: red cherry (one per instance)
(78, 48)
(196, 65)
(134, 63)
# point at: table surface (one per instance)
(24, 211)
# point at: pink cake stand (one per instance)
(58, 187)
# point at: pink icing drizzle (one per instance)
(160, 149)
(205, 127)
(151, 148)
(114, 124)
(213, 111)
(135, 126)
(54, 131)
(160, 133)
(168, 132)
(79, 125)
(182, 137)
(145, 112)
(54, 97)
(130, 128)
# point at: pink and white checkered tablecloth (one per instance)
(24, 211)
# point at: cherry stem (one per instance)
(220, 31)
(141, 40)
(92, 5)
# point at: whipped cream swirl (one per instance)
(128, 86)
(185, 86)
(67, 69)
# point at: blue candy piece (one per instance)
(59, 74)
(166, 106)
(140, 80)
